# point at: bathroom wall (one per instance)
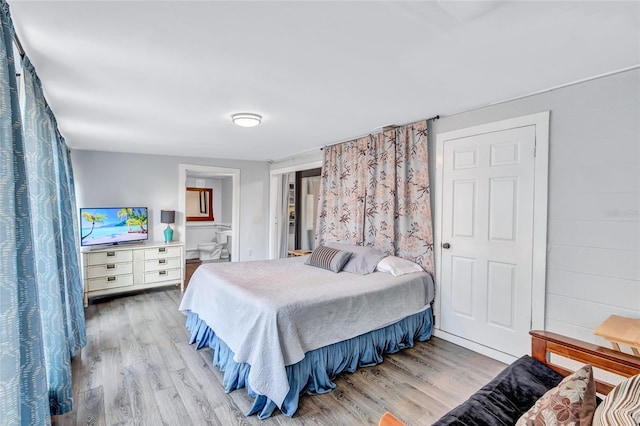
(227, 196)
(218, 199)
(204, 232)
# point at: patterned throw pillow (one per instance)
(328, 258)
(622, 406)
(572, 402)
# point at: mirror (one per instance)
(199, 204)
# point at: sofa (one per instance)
(507, 397)
(521, 387)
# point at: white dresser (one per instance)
(132, 267)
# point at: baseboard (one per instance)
(473, 346)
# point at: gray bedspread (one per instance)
(271, 312)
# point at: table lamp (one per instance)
(168, 217)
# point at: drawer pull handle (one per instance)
(110, 279)
(162, 249)
(162, 261)
(111, 266)
(162, 272)
(111, 253)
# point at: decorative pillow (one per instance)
(363, 260)
(572, 402)
(328, 258)
(621, 407)
(397, 266)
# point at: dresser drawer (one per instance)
(114, 270)
(109, 256)
(164, 263)
(115, 281)
(162, 252)
(109, 269)
(162, 275)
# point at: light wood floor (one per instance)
(138, 368)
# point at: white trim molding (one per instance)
(476, 347)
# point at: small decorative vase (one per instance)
(168, 234)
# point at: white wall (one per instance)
(593, 243)
(295, 162)
(114, 179)
(227, 197)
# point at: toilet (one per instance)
(213, 250)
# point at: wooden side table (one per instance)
(296, 253)
(621, 330)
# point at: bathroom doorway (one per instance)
(217, 232)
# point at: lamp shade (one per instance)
(167, 216)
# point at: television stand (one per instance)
(131, 267)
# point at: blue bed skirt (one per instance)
(314, 374)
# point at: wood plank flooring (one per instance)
(138, 369)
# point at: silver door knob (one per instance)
(446, 245)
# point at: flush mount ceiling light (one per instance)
(246, 119)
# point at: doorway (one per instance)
(491, 196)
(228, 181)
(281, 221)
(306, 208)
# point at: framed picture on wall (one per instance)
(199, 204)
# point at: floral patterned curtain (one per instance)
(375, 192)
(343, 192)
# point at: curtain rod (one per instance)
(435, 117)
(16, 40)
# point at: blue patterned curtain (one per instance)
(23, 384)
(41, 314)
(52, 201)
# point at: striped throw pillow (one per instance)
(622, 406)
(328, 258)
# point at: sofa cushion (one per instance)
(504, 399)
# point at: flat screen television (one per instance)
(113, 225)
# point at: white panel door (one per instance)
(487, 238)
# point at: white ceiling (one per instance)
(164, 77)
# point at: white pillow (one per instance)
(397, 266)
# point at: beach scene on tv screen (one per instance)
(111, 226)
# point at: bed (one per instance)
(281, 328)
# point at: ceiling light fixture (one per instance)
(246, 119)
